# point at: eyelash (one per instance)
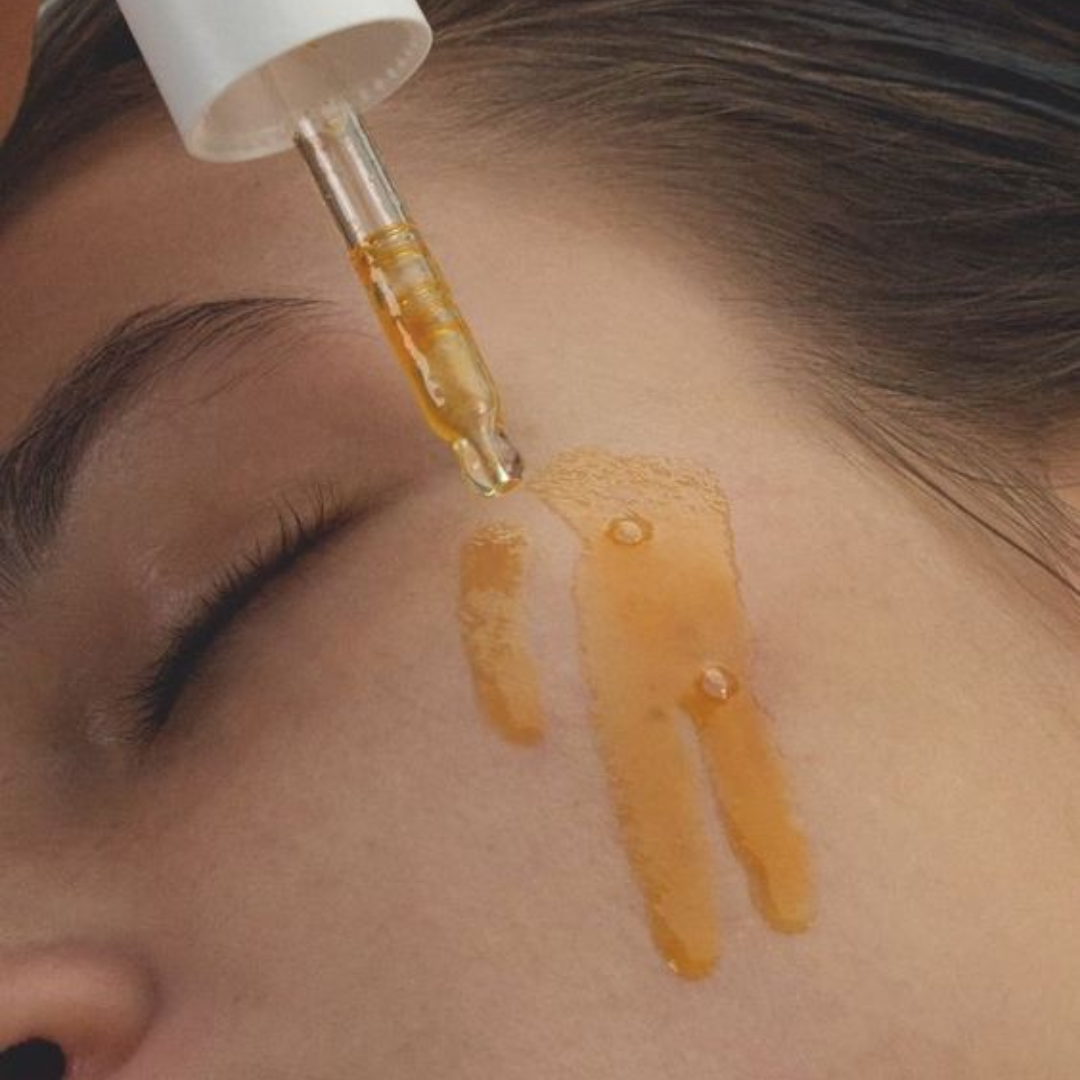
(157, 692)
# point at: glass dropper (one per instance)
(418, 314)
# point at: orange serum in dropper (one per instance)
(421, 321)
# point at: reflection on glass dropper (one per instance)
(418, 314)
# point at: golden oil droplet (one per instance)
(629, 530)
(491, 612)
(646, 622)
(717, 683)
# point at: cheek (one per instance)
(342, 804)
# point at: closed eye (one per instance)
(301, 530)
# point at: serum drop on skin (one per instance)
(663, 637)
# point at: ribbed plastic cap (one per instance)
(210, 60)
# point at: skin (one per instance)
(16, 37)
(329, 865)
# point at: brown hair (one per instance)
(904, 174)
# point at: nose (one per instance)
(71, 1012)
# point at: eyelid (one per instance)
(304, 526)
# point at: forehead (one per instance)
(128, 220)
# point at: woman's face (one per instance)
(328, 863)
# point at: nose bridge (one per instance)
(94, 1003)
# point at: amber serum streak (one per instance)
(492, 614)
(663, 632)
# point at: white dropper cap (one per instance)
(236, 74)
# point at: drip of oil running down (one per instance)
(662, 632)
(493, 625)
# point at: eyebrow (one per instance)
(38, 469)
